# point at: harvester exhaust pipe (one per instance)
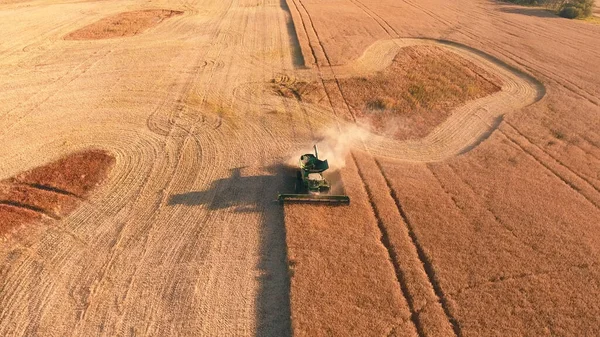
(316, 152)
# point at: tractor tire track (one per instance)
(423, 257)
(328, 66)
(569, 178)
(377, 18)
(553, 158)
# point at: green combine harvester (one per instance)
(311, 186)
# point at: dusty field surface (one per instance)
(183, 237)
(484, 223)
(122, 25)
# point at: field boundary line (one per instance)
(371, 13)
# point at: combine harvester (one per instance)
(311, 186)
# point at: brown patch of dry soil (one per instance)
(123, 24)
(53, 190)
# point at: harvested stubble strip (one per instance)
(342, 282)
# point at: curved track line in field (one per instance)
(469, 124)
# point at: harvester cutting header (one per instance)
(311, 186)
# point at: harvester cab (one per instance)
(311, 185)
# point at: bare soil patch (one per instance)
(409, 98)
(123, 24)
(13, 216)
(53, 190)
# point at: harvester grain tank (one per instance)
(311, 185)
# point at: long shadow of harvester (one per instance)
(258, 194)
